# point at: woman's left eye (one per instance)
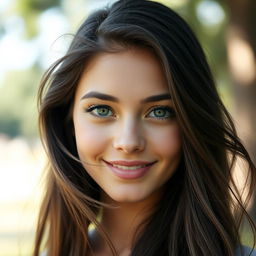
(161, 113)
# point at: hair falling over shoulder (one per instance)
(202, 209)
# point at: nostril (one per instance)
(129, 137)
(129, 145)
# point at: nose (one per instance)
(129, 138)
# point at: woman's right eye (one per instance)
(100, 110)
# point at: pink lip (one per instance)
(129, 174)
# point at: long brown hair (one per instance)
(201, 212)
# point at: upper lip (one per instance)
(129, 163)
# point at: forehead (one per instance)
(129, 73)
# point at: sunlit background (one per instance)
(33, 34)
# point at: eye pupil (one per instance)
(102, 111)
(159, 112)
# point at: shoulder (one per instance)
(246, 251)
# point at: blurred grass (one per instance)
(20, 192)
(18, 221)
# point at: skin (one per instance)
(126, 129)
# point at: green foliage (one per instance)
(30, 10)
(18, 112)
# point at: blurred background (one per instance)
(34, 33)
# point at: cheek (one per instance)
(167, 142)
(91, 139)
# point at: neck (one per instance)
(123, 220)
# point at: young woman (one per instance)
(141, 149)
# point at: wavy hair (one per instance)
(202, 210)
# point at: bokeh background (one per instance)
(34, 33)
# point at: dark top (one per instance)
(245, 251)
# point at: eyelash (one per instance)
(169, 110)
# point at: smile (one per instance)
(129, 169)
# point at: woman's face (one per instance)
(125, 127)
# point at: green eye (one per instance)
(162, 113)
(100, 111)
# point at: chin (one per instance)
(126, 197)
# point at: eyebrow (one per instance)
(99, 95)
(103, 96)
(165, 96)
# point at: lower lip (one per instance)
(129, 174)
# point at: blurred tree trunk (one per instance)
(241, 48)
